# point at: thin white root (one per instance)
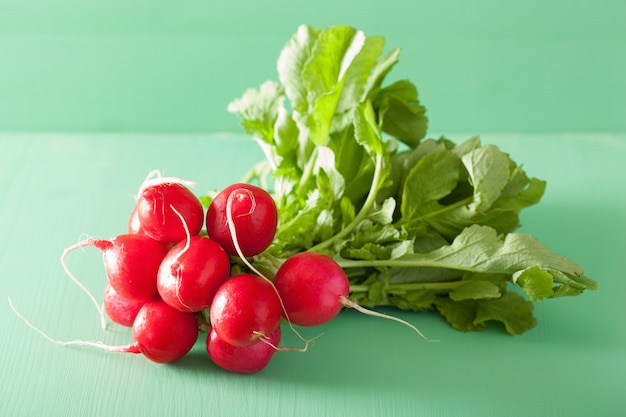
(98, 345)
(233, 230)
(233, 234)
(265, 339)
(179, 254)
(150, 181)
(349, 303)
(100, 309)
(155, 173)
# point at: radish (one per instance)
(247, 211)
(245, 309)
(191, 272)
(313, 288)
(244, 360)
(131, 263)
(157, 219)
(119, 309)
(160, 332)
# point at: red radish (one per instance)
(243, 360)
(131, 263)
(155, 215)
(245, 308)
(254, 219)
(191, 272)
(313, 288)
(161, 333)
(119, 309)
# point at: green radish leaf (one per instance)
(417, 223)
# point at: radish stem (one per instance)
(367, 205)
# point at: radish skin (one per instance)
(157, 219)
(191, 273)
(247, 209)
(312, 287)
(243, 360)
(131, 262)
(245, 308)
(162, 333)
(119, 309)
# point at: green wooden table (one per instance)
(58, 188)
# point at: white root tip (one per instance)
(307, 342)
(351, 304)
(87, 242)
(98, 345)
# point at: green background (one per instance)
(155, 65)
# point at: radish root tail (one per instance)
(351, 304)
(132, 348)
(179, 254)
(263, 338)
(87, 242)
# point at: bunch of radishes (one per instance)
(171, 277)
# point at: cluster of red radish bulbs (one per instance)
(170, 277)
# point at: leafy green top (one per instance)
(417, 223)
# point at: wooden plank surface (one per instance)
(58, 188)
